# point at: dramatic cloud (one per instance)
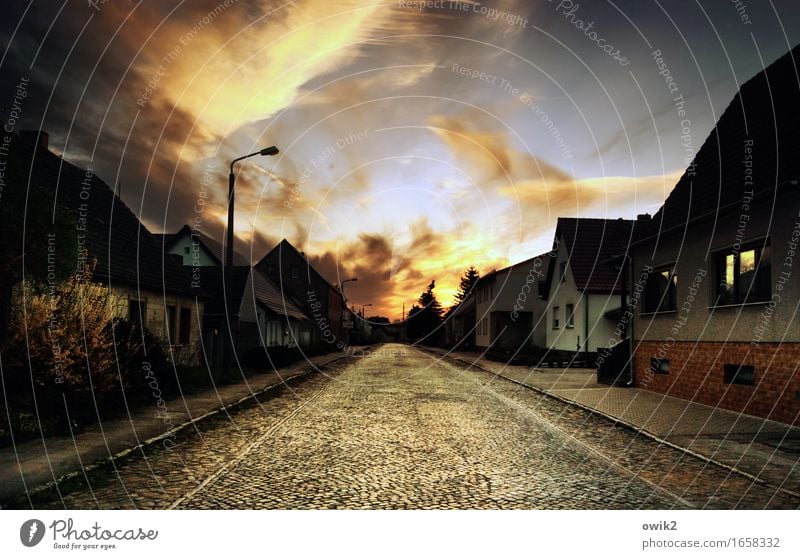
(396, 165)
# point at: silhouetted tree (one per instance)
(468, 281)
(423, 320)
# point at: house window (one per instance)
(744, 276)
(185, 328)
(136, 312)
(563, 272)
(185, 250)
(659, 366)
(570, 319)
(295, 272)
(661, 290)
(555, 318)
(739, 374)
(171, 316)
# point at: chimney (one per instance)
(38, 138)
(643, 217)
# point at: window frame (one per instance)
(184, 326)
(555, 324)
(751, 296)
(672, 301)
(731, 374)
(569, 318)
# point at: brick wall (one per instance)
(696, 373)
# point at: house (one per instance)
(151, 289)
(198, 249)
(508, 311)
(263, 316)
(717, 317)
(459, 324)
(583, 288)
(321, 301)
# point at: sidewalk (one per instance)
(766, 450)
(43, 462)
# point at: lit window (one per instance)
(744, 276)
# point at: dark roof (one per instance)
(286, 246)
(213, 247)
(269, 294)
(525, 264)
(766, 111)
(125, 251)
(245, 282)
(590, 244)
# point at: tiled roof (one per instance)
(265, 291)
(215, 248)
(126, 252)
(766, 111)
(590, 244)
(246, 282)
(525, 265)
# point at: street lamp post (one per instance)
(345, 331)
(227, 347)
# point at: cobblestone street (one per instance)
(400, 428)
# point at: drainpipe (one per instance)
(585, 322)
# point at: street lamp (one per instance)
(227, 347)
(341, 287)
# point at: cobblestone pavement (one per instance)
(402, 429)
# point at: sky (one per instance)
(416, 138)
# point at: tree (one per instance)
(468, 281)
(424, 320)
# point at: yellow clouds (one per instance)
(231, 69)
(486, 155)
